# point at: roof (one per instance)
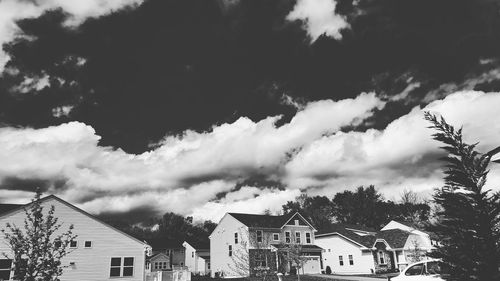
(396, 238)
(304, 247)
(5, 208)
(199, 245)
(13, 208)
(164, 243)
(266, 221)
(204, 255)
(366, 241)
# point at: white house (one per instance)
(197, 257)
(100, 252)
(238, 242)
(360, 250)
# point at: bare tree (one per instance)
(410, 197)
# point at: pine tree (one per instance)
(38, 246)
(468, 217)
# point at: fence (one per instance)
(174, 275)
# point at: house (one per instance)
(100, 251)
(360, 250)
(171, 248)
(158, 262)
(197, 257)
(243, 244)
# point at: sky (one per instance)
(134, 108)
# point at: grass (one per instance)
(268, 278)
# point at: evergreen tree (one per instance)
(38, 246)
(468, 217)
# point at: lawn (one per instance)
(268, 278)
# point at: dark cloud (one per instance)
(32, 184)
(170, 65)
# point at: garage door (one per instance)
(311, 266)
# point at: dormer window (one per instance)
(296, 222)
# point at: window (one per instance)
(160, 265)
(57, 243)
(88, 244)
(128, 266)
(259, 236)
(73, 244)
(296, 222)
(329, 250)
(341, 260)
(351, 260)
(287, 237)
(276, 236)
(236, 238)
(192, 254)
(230, 250)
(297, 238)
(182, 264)
(417, 269)
(5, 267)
(381, 257)
(122, 269)
(260, 260)
(208, 265)
(115, 267)
(308, 237)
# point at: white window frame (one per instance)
(298, 238)
(73, 247)
(308, 239)
(122, 266)
(230, 250)
(296, 222)
(288, 238)
(261, 236)
(274, 236)
(85, 244)
(8, 269)
(381, 257)
(341, 260)
(351, 260)
(236, 238)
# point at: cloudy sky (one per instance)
(138, 107)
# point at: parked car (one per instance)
(426, 270)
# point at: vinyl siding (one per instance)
(222, 236)
(336, 246)
(90, 264)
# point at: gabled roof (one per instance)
(340, 229)
(266, 221)
(13, 209)
(198, 245)
(396, 238)
(5, 208)
(164, 243)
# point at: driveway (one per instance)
(348, 277)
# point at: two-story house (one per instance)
(243, 244)
(99, 252)
(197, 257)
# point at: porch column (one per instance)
(395, 260)
(277, 262)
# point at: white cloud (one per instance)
(319, 18)
(77, 10)
(193, 167)
(186, 173)
(403, 155)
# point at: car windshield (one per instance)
(436, 267)
(417, 269)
